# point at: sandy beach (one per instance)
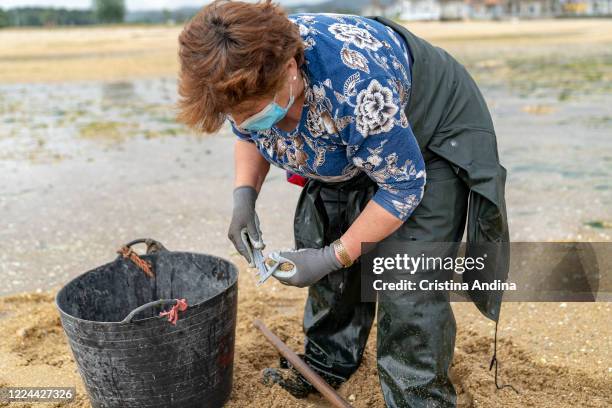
(92, 157)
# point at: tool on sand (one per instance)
(324, 388)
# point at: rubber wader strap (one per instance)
(494, 362)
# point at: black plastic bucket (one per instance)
(128, 355)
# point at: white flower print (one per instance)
(307, 19)
(297, 158)
(355, 35)
(306, 30)
(381, 61)
(351, 150)
(358, 86)
(303, 30)
(328, 122)
(386, 172)
(354, 59)
(343, 122)
(319, 120)
(318, 93)
(319, 157)
(371, 162)
(314, 124)
(349, 85)
(399, 66)
(393, 35)
(309, 43)
(407, 206)
(375, 109)
(335, 16)
(402, 173)
(340, 97)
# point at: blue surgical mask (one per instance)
(267, 117)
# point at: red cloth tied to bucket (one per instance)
(180, 306)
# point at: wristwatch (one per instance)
(340, 251)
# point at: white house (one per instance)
(419, 10)
(486, 9)
(453, 9)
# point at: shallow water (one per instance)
(88, 166)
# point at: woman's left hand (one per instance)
(309, 265)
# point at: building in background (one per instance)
(419, 10)
(486, 9)
(411, 10)
(454, 10)
(586, 7)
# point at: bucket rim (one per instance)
(233, 283)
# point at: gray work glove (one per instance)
(244, 218)
(309, 265)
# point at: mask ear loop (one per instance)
(290, 92)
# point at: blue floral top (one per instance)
(357, 77)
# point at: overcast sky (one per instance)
(131, 4)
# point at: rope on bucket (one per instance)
(180, 306)
(129, 253)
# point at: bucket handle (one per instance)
(130, 316)
(153, 246)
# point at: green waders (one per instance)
(416, 330)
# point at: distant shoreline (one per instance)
(132, 51)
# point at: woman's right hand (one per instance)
(244, 217)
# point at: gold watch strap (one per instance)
(340, 250)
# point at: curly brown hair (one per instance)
(232, 52)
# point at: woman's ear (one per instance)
(292, 66)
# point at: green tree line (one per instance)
(102, 11)
(114, 11)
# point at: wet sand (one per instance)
(555, 355)
(90, 161)
(105, 163)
